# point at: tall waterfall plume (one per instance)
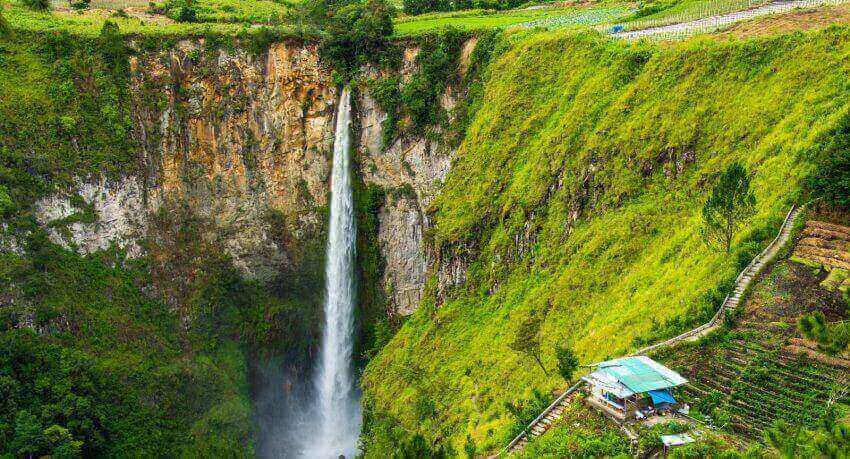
(338, 406)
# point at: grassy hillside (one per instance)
(580, 183)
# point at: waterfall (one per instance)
(338, 406)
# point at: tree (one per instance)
(832, 339)
(79, 5)
(29, 438)
(414, 7)
(62, 442)
(833, 437)
(6, 204)
(417, 447)
(830, 439)
(353, 32)
(731, 203)
(527, 339)
(37, 5)
(567, 362)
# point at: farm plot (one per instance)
(749, 377)
(488, 19)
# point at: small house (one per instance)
(633, 387)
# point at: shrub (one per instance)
(567, 362)
(79, 5)
(5, 28)
(260, 40)
(187, 14)
(831, 338)
(37, 5)
(180, 10)
(525, 410)
(831, 182)
(6, 204)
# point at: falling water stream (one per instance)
(338, 405)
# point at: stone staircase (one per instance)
(540, 425)
(552, 413)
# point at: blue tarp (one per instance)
(661, 396)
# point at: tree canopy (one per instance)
(730, 204)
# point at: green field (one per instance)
(90, 23)
(480, 19)
(232, 16)
(687, 10)
(580, 181)
(255, 12)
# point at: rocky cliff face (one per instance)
(244, 143)
(410, 170)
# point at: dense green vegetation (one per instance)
(55, 123)
(351, 32)
(113, 366)
(831, 182)
(580, 433)
(580, 181)
(101, 355)
(414, 105)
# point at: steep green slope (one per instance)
(579, 183)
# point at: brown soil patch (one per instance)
(825, 243)
(808, 19)
(792, 293)
(796, 347)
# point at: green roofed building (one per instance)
(633, 387)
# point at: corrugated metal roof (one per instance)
(638, 374)
(608, 384)
(676, 440)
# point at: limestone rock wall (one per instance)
(244, 142)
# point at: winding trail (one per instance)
(712, 23)
(742, 283)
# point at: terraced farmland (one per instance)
(755, 386)
(751, 376)
(551, 18)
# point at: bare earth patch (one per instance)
(802, 20)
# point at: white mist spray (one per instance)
(338, 407)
